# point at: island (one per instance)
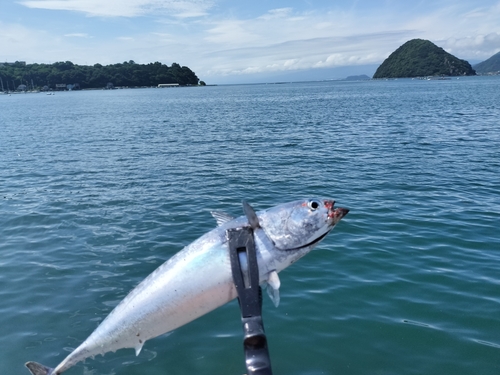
(68, 76)
(422, 58)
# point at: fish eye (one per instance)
(313, 205)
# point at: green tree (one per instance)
(97, 76)
(419, 58)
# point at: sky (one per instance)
(237, 41)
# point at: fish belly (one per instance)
(192, 283)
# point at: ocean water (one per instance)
(98, 188)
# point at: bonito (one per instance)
(198, 279)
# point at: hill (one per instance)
(492, 65)
(421, 58)
(95, 76)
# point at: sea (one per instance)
(99, 188)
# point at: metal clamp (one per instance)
(241, 243)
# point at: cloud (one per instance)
(126, 8)
(303, 54)
(466, 32)
(15, 35)
(276, 13)
(285, 39)
(478, 46)
(272, 41)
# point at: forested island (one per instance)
(422, 58)
(66, 75)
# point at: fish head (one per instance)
(301, 224)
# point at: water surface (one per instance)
(98, 188)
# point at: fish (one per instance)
(198, 279)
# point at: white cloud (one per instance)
(14, 35)
(232, 32)
(276, 13)
(283, 39)
(277, 40)
(125, 8)
(466, 33)
(477, 47)
(328, 52)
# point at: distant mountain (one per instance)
(492, 65)
(421, 58)
(362, 77)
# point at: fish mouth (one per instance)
(333, 217)
(314, 242)
(335, 214)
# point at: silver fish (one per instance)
(198, 279)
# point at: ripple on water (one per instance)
(407, 283)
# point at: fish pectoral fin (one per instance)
(38, 369)
(221, 217)
(273, 287)
(138, 348)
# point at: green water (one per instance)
(99, 188)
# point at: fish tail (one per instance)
(38, 369)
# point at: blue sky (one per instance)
(226, 41)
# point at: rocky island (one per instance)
(422, 58)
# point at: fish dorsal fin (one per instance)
(253, 220)
(273, 287)
(221, 217)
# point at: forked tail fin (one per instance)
(38, 369)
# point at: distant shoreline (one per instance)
(61, 76)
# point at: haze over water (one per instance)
(98, 188)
